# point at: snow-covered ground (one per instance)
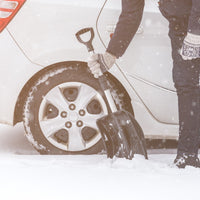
(26, 175)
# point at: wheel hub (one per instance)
(73, 116)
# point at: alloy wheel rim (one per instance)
(69, 122)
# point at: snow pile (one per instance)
(27, 175)
(95, 178)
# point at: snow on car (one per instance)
(45, 82)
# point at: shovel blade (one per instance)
(122, 135)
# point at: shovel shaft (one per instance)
(106, 89)
(110, 101)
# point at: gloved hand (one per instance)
(100, 63)
(191, 47)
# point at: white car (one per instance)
(45, 81)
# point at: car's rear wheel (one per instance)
(61, 110)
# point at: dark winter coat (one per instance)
(184, 7)
(194, 21)
(127, 26)
(131, 16)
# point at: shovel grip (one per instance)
(88, 43)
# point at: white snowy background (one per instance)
(26, 175)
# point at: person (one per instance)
(184, 32)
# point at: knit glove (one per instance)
(191, 47)
(100, 63)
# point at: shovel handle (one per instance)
(88, 43)
(102, 79)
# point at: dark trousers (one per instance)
(186, 76)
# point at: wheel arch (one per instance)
(19, 106)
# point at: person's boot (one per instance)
(181, 161)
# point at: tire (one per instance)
(61, 109)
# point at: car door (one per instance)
(147, 62)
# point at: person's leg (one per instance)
(186, 80)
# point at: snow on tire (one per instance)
(61, 110)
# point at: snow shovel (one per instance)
(121, 134)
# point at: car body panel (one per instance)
(152, 127)
(15, 70)
(45, 30)
(158, 101)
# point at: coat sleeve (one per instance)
(127, 26)
(194, 19)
